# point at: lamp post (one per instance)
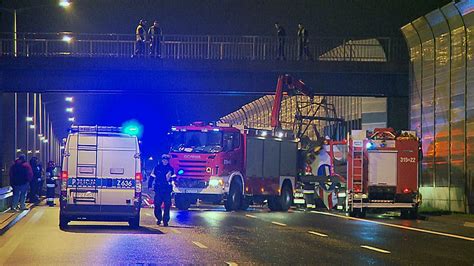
(15, 11)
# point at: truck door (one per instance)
(232, 146)
(382, 168)
(82, 166)
(117, 170)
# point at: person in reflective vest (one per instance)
(50, 183)
(160, 180)
(140, 33)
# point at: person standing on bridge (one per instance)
(51, 174)
(140, 34)
(162, 177)
(36, 183)
(20, 175)
(155, 34)
(303, 42)
(281, 35)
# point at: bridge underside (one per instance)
(152, 76)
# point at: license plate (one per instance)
(87, 194)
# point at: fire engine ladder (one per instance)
(86, 148)
(357, 173)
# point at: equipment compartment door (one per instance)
(382, 168)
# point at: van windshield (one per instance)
(197, 141)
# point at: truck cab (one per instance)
(205, 158)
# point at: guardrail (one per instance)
(207, 47)
(5, 197)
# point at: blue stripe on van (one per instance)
(101, 183)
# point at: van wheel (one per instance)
(134, 222)
(63, 221)
(182, 202)
(234, 198)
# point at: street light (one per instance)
(64, 3)
(69, 99)
(69, 110)
(67, 38)
(14, 11)
(29, 119)
(71, 119)
(32, 126)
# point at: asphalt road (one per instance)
(209, 235)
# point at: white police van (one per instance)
(101, 176)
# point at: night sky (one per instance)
(218, 17)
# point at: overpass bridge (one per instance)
(234, 65)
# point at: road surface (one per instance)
(209, 235)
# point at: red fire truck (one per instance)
(237, 166)
(382, 172)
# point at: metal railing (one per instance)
(198, 47)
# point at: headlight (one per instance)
(216, 182)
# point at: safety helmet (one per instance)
(165, 156)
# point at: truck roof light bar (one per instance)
(74, 129)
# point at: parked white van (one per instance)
(101, 176)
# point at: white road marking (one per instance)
(277, 223)
(199, 244)
(398, 226)
(230, 263)
(251, 216)
(469, 224)
(176, 231)
(376, 249)
(318, 234)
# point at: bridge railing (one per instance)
(210, 47)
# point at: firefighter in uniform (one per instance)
(160, 181)
(50, 183)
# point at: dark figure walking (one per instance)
(20, 175)
(155, 34)
(50, 183)
(303, 43)
(36, 183)
(140, 33)
(162, 177)
(281, 35)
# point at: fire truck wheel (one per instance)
(274, 204)
(181, 202)
(409, 214)
(358, 213)
(286, 197)
(245, 204)
(234, 198)
(63, 221)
